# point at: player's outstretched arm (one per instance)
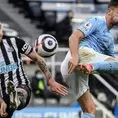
(55, 87)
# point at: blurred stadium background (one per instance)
(30, 18)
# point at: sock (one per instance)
(106, 66)
(87, 115)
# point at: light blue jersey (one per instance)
(97, 36)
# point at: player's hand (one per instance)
(57, 88)
(73, 63)
(3, 108)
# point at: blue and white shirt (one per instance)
(97, 35)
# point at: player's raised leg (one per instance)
(110, 65)
(84, 98)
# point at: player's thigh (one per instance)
(64, 65)
(88, 55)
(82, 81)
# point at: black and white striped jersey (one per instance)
(11, 67)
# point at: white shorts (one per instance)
(86, 55)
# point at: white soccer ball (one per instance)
(46, 45)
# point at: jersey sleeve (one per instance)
(110, 50)
(89, 26)
(23, 47)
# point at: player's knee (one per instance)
(22, 98)
(24, 95)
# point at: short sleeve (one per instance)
(23, 47)
(110, 50)
(89, 26)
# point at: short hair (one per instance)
(37, 71)
(113, 3)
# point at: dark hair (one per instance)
(113, 3)
(37, 71)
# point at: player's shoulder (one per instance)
(96, 19)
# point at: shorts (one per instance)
(86, 55)
(6, 99)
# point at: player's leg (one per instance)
(87, 55)
(19, 97)
(94, 61)
(89, 106)
(109, 65)
(84, 97)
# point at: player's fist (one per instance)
(73, 63)
(3, 108)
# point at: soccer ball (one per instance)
(46, 45)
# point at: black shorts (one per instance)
(7, 101)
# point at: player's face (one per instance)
(114, 16)
(1, 32)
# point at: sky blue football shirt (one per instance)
(97, 35)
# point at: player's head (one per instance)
(38, 74)
(113, 12)
(1, 32)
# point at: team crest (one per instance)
(88, 25)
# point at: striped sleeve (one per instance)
(23, 47)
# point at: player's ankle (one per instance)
(88, 115)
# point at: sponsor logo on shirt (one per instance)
(7, 68)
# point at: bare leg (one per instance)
(86, 103)
(85, 100)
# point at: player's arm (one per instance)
(55, 87)
(28, 50)
(82, 31)
(74, 45)
(42, 64)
